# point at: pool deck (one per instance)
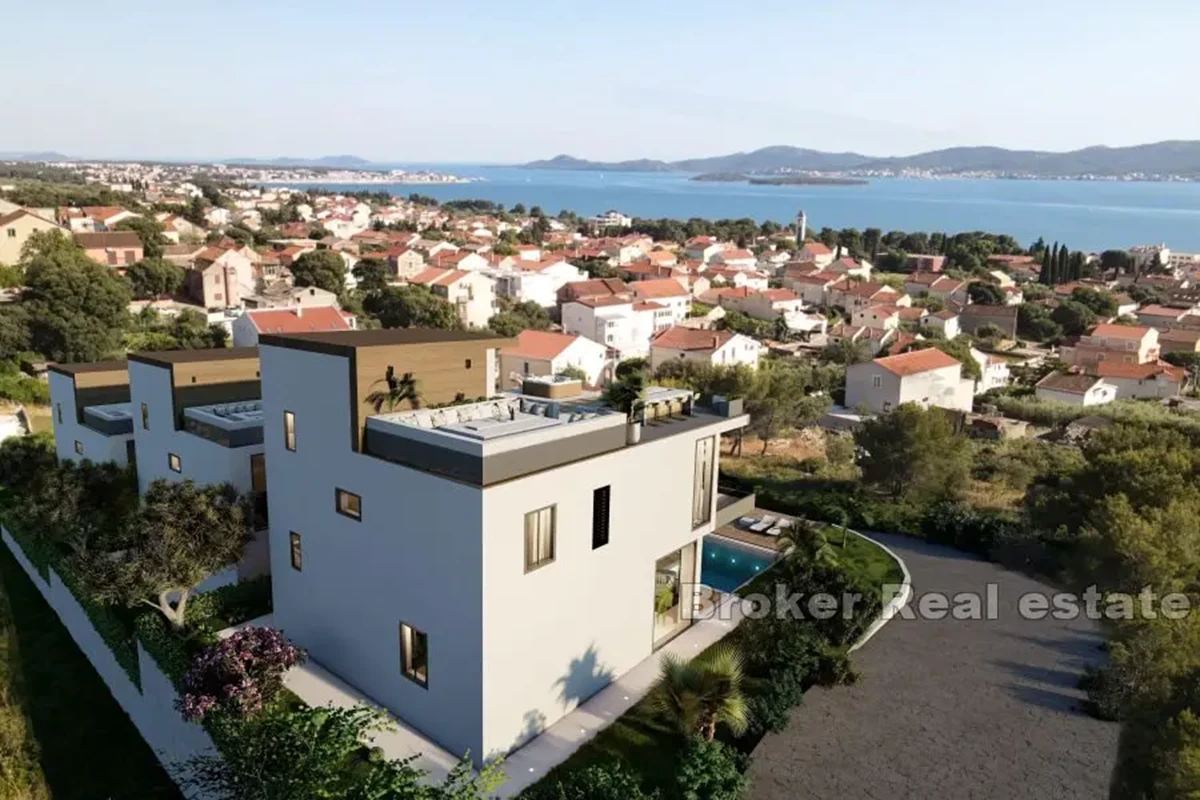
(737, 534)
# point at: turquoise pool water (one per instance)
(728, 564)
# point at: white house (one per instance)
(719, 348)
(542, 353)
(668, 293)
(993, 370)
(197, 416)
(1142, 381)
(90, 408)
(928, 377)
(537, 282)
(531, 510)
(1076, 389)
(944, 322)
(473, 294)
(248, 326)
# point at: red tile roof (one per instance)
(539, 345)
(817, 248)
(299, 320)
(661, 287)
(917, 361)
(1109, 369)
(678, 338)
(1119, 331)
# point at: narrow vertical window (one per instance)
(297, 555)
(145, 417)
(289, 430)
(600, 516)
(58, 412)
(414, 654)
(258, 472)
(173, 463)
(539, 537)
(78, 447)
(702, 483)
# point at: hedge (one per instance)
(113, 623)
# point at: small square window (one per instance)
(468, 363)
(12, 233)
(349, 504)
(174, 463)
(297, 555)
(289, 430)
(145, 417)
(414, 654)
(78, 447)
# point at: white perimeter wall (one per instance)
(152, 708)
(415, 556)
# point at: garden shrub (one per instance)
(239, 674)
(170, 651)
(710, 771)
(609, 781)
(114, 624)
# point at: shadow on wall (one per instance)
(585, 676)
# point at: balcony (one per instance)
(732, 503)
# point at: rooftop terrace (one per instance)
(228, 424)
(112, 419)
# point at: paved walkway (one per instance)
(950, 709)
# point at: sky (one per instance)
(479, 81)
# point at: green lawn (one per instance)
(865, 558)
(62, 736)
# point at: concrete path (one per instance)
(950, 709)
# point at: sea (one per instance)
(1085, 215)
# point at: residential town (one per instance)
(511, 383)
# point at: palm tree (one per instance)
(806, 539)
(627, 392)
(697, 695)
(399, 390)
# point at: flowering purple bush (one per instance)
(239, 674)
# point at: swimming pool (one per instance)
(729, 564)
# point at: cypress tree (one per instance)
(1053, 281)
(1044, 275)
(1063, 273)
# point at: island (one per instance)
(778, 180)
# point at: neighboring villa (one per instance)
(544, 353)
(1075, 388)
(115, 249)
(1121, 344)
(719, 348)
(252, 323)
(15, 229)
(480, 570)
(90, 407)
(927, 377)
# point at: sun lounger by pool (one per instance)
(775, 531)
(746, 522)
(763, 524)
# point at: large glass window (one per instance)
(702, 484)
(539, 537)
(414, 654)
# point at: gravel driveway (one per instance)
(950, 709)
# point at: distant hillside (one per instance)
(1178, 158)
(21, 156)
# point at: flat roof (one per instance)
(92, 366)
(345, 342)
(499, 417)
(165, 358)
(111, 411)
(228, 416)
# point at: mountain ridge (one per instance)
(1171, 157)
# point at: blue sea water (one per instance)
(1087, 215)
(726, 564)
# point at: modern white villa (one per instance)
(90, 407)
(482, 568)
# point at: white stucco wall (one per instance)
(556, 635)
(415, 556)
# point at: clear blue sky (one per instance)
(507, 81)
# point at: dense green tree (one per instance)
(1034, 322)
(372, 275)
(1074, 317)
(183, 534)
(913, 453)
(780, 400)
(987, 294)
(411, 307)
(1101, 303)
(153, 277)
(149, 231)
(710, 770)
(76, 309)
(517, 317)
(1115, 262)
(325, 269)
(846, 352)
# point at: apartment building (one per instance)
(479, 569)
(1122, 344)
(197, 415)
(473, 294)
(91, 412)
